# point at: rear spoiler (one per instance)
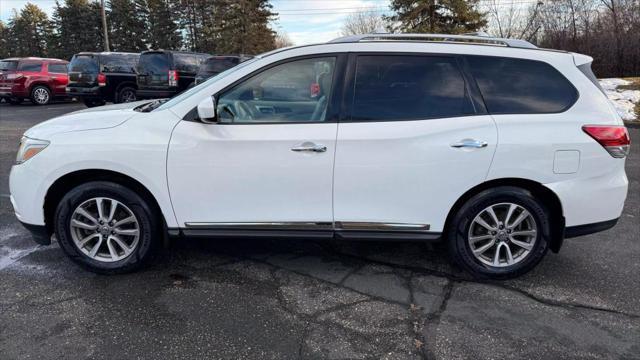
(580, 59)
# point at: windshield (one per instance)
(195, 89)
(153, 63)
(84, 64)
(8, 65)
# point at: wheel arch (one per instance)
(39, 83)
(132, 84)
(65, 183)
(541, 192)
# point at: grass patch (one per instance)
(635, 84)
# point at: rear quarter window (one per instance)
(117, 63)
(520, 86)
(58, 68)
(187, 62)
(8, 65)
(154, 63)
(30, 66)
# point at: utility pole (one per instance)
(104, 26)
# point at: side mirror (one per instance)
(207, 110)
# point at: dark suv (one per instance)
(217, 64)
(162, 73)
(38, 79)
(98, 77)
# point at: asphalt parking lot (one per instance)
(270, 299)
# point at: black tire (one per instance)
(93, 102)
(126, 94)
(14, 101)
(148, 220)
(458, 232)
(40, 95)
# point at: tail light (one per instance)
(173, 78)
(615, 139)
(102, 79)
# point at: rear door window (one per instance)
(520, 86)
(118, 63)
(30, 66)
(58, 68)
(84, 64)
(154, 63)
(399, 87)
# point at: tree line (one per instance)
(608, 30)
(211, 26)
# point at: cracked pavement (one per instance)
(288, 299)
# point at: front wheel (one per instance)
(499, 233)
(106, 228)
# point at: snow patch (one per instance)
(624, 101)
(8, 254)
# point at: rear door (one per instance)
(414, 139)
(83, 71)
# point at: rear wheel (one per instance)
(106, 228)
(40, 95)
(500, 233)
(126, 94)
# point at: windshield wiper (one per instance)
(150, 106)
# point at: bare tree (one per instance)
(283, 40)
(363, 22)
(510, 19)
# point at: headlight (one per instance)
(29, 148)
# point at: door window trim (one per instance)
(333, 105)
(349, 86)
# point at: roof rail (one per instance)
(475, 39)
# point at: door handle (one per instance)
(310, 147)
(470, 143)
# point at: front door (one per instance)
(414, 142)
(268, 161)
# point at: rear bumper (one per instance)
(581, 230)
(88, 92)
(13, 91)
(155, 94)
(39, 233)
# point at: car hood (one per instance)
(101, 117)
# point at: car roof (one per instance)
(33, 58)
(174, 52)
(86, 53)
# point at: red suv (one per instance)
(38, 79)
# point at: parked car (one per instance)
(497, 148)
(217, 64)
(38, 79)
(98, 77)
(163, 73)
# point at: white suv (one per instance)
(494, 146)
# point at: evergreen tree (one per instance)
(163, 31)
(78, 27)
(436, 16)
(29, 31)
(4, 41)
(128, 25)
(244, 27)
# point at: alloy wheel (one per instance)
(41, 95)
(104, 229)
(502, 235)
(128, 96)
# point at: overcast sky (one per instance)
(306, 21)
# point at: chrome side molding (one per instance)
(338, 226)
